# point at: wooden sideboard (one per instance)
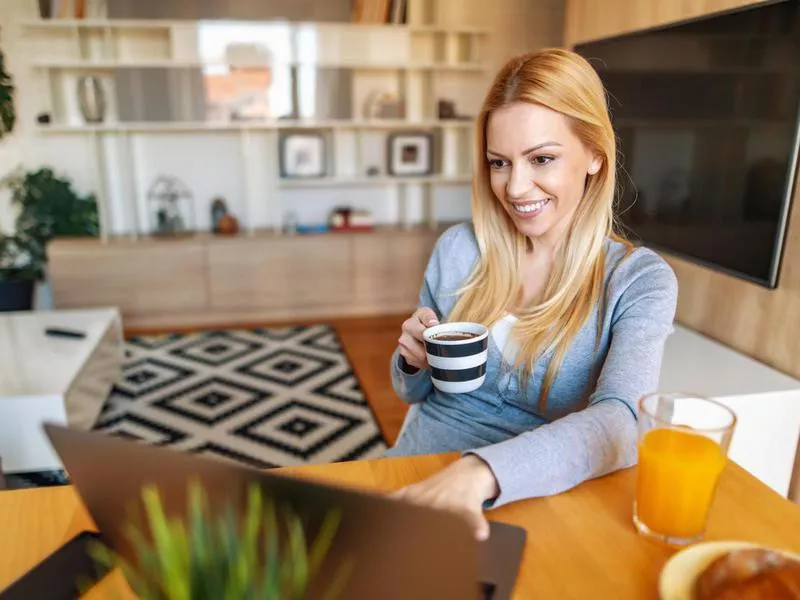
(207, 280)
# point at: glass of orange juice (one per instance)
(683, 447)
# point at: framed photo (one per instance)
(410, 154)
(302, 155)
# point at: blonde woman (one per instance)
(578, 316)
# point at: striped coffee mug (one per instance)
(457, 355)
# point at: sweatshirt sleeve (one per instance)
(410, 384)
(601, 438)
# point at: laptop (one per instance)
(399, 550)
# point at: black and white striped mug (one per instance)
(457, 355)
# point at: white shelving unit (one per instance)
(289, 124)
(373, 181)
(241, 158)
(108, 65)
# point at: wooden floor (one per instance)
(369, 343)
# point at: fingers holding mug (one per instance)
(412, 350)
(426, 317)
(411, 342)
(417, 323)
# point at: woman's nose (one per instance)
(520, 181)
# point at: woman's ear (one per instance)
(595, 165)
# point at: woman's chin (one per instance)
(531, 228)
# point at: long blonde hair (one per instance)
(564, 82)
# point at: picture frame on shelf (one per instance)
(302, 155)
(410, 154)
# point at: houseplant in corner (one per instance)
(48, 207)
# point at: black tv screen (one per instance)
(706, 114)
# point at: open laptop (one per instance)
(399, 551)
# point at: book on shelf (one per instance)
(373, 11)
(64, 9)
(397, 12)
(60, 9)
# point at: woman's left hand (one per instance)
(461, 487)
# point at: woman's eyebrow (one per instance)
(529, 150)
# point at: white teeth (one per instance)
(532, 207)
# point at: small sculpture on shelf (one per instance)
(446, 110)
(222, 221)
(169, 194)
(383, 104)
(290, 222)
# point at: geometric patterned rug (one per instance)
(263, 397)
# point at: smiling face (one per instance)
(537, 168)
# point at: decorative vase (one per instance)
(92, 99)
(16, 294)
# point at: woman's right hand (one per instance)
(412, 346)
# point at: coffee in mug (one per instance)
(457, 354)
(454, 336)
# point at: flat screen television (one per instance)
(706, 113)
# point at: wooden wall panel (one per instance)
(756, 321)
(592, 19)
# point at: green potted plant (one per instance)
(48, 207)
(260, 554)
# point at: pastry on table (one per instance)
(722, 570)
(750, 574)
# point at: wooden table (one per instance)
(581, 544)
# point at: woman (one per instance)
(578, 317)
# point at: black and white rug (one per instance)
(261, 397)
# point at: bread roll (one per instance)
(750, 574)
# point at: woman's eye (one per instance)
(541, 160)
(496, 163)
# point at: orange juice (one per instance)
(678, 472)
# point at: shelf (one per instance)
(374, 181)
(97, 23)
(106, 65)
(166, 24)
(188, 127)
(206, 237)
(444, 29)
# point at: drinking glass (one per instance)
(683, 447)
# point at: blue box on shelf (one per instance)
(306, 229)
